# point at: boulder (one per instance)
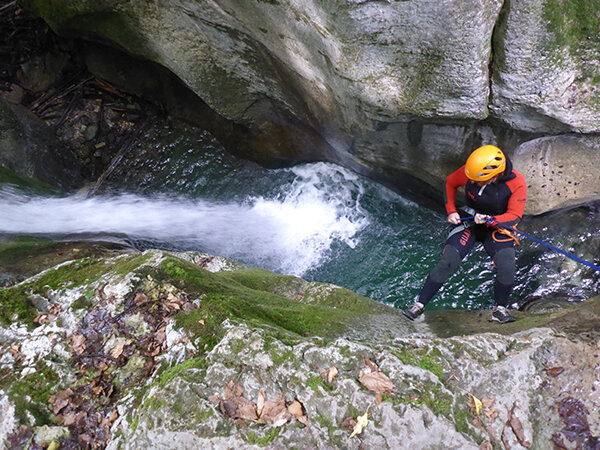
(561, 171)
(30, 148)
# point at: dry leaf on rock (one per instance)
(260, 402)
(214, 398)
(487, 401)
(348, 423)
(371, 365)
(232, 390)
(378, 399)
(78, 343)
(118, 349)
(245, 409)
(377, 382)
(295, 409)
(276, 413)
(491, 414)
(361, 423)
(330, 374)
(474, 404)
(486, 445)
(517, 427)
(555, 371)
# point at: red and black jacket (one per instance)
(504, 199)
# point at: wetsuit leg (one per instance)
(457, 247)
(504, 255)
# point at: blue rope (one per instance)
(545, 244)
(550, 246)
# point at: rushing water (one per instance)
(318, 221)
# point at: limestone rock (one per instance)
(546, 73)
(561, 171)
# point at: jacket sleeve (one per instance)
(453, 182)
(516, 202)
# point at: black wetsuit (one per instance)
(505, 200)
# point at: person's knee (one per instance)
(506, 266)
(447, 265)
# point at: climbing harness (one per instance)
(514, 232)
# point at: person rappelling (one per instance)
(495, 194)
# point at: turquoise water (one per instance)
(180, 190)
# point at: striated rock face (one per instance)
(162, 350)
(396, 90)
(546, 76)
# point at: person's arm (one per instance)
(516, 202)
(453, 182)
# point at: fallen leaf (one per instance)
(233, 390)
(15, 350)
(361, 423)
(141, 298)
(371, 365)
(474, 404)
(260, 402)
(377, 382)
(555, 371)
(214, 398)
(491, 414)
(201, 322)
(517, 427)
(77, 343)
(486, 445)
(295, 409)
(487, 401)
(245, 409)
(118, 350)
(275, 413)
(330, 374)
(348, 423)
(378, 399)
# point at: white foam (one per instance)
(289, 232)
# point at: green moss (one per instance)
(573, 23)
(262, 441)
(315, 382)
(14, 305)
(419, 358)
(175, 371)
(223, 296)
(31, 393)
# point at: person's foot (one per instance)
(414, 311)
(500, 314)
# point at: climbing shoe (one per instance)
(414, 311)
(500, 314)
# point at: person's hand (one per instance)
(481, 218)
(454, 218)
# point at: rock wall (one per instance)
(363, 83)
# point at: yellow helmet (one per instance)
(484, 163)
